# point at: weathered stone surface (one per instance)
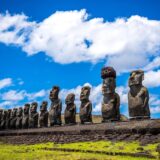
(56, 107)
(8, 118)
(138, 96)
(13, 118)
(3, 120)
(86, 106)
(111, 99)
(25, 118)
(43, 117)
(33, 116)
(70, 111)
(19, 118)
(145, 131)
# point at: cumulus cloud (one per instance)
(152, 78)
(5, 82)
(73, 36)
(13, 95)
(39, 94)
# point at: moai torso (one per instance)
(56, 107)
(25, 117)
(70, 111)
(8, 119)
(111, 99)
(33, 117)
(86, 106)
(13, 118)
(138, 96)
(19, 118)
(43, 117)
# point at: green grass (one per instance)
(40, 152)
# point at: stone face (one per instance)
(13, 118)
(86, 106)
(111, 99)
(19, 118)
(138, 96)
(70, 111)
(33, 117)
(56, 107)
(8, 118)
(43, 117)
(25, 118)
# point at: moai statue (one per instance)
(86, 106)
(43, 117)
(33, 117)
(13, 118)
(56, 107)
(111, 99)
(19, 118)
(138, 96)
(3, 119)
(1, 115)
(25, 117)
(70, 111)
(8, 119)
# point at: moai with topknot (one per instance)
(19, 118)
(8, 119)
(138, 96)
(86, 106)
(70, 111)
(13, 118)
(33, 117)
(25, 117)
(3, 119)
(111, 99)
(56, 107)
(43, 117)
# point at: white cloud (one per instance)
(39, 94)
(152, 78)
(5, 82)
(70, 36)
(14, 29)
(153, 65)
(13, 95)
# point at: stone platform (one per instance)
(145, 131)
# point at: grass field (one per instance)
(50, 151)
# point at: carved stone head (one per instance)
(43, 106)
(19, 111)
(109, 86)
(34, 107)
(85, 92)
(70, 98)
(26, 108)
(14, 112)
(108, 72)
(54, 93)
(136, 77)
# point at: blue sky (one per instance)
(67, 42)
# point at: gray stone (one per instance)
(25, 118)
(43, 117)
(138, 96)
(56, 107)
(70, 110)
(33, 117)
(86, 106)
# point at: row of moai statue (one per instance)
(28, 117)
